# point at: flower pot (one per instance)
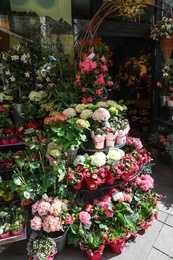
(13, 140)
(167, 46)
(78, 185)
(99, 141)
(110, 139)
(5, 142)
(96, 255)
(17, 110)
(71, 155)
(117, 245)
(17, 233)
(91, 185)
(120, 140)
(6, 235)
(60, 241)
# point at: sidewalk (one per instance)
(153, 244)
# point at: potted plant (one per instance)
(13, 138)
(41, 247)
(5, 139)
(163, 30)
(69, 133)
(5, 229)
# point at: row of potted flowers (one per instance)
(12, 220)
(111, 220)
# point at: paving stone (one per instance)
(156, 255)
(162, 216)
(164, 241)
(169, 220)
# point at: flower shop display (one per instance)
(163, 30)
(48, 174)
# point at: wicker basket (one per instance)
(167, 47)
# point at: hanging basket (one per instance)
(167, 47)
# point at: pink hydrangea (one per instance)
(84, 217)
(52, 223)
(101, 115)
(43, 207)
(36, 223)
(56, 207)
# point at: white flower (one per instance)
(115, 154)
(79, 160)
(27, 75)
(98, 159)
(27, 195)
(12, 79)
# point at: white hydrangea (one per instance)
(98, 159)
(79, 160)
(115, 154)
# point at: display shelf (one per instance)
(89, 147)
(13, 145)
(163, 121)
(87, 196)
(13, 239)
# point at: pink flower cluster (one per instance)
(48, 215)
(101, 115)
(145, 182)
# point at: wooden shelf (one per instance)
(163, 121)
(8, 145)
(13, 239)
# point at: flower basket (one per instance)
(167, 47)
